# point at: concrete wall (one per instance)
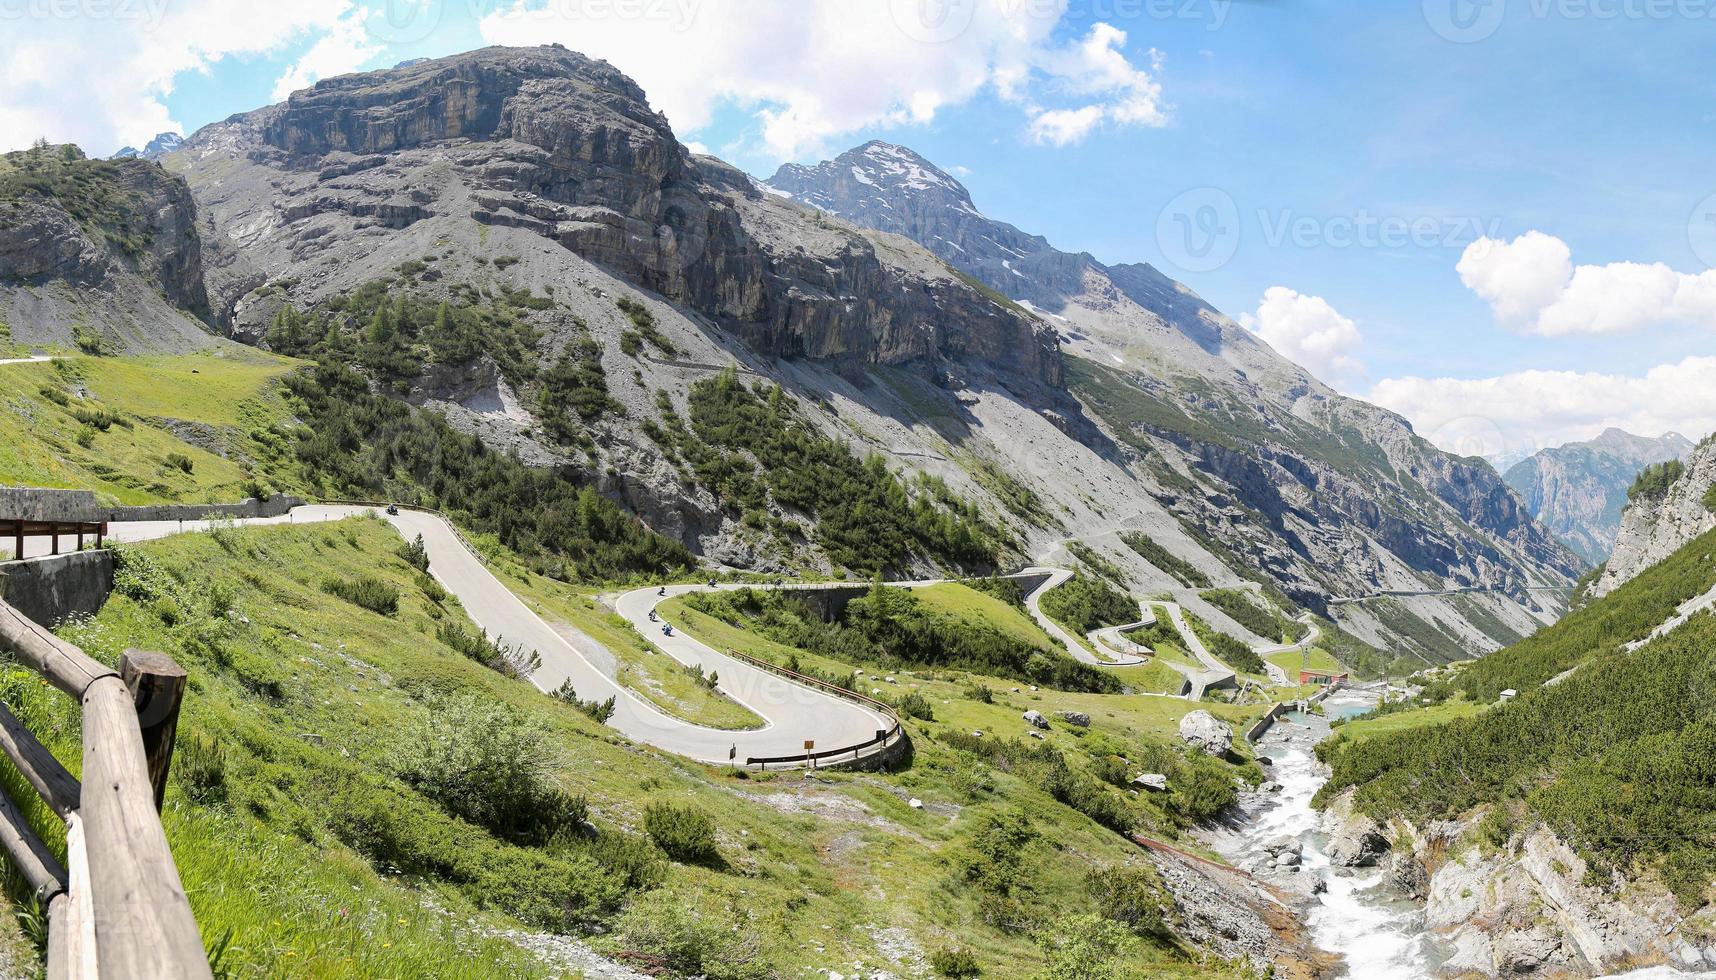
(51, 590)
(272, 507)
(39, 504)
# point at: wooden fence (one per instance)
(117, 909)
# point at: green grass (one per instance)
(308, 695)
(1360, 729)
(644, 669)
(42, 442)
(966, 603)
(1316, 658)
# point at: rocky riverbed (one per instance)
(1382, 912)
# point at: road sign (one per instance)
(809, 743)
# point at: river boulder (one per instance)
(1204, 732)
(1357, 842)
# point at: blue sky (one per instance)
(1309, 123)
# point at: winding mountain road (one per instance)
(796, 716)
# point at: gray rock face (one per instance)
(1206, 733)
(1654, 528)
(567, 148)
(155, 149)
(128, 271)
(1154, 781)
(1343, 523)
(1077, 719)
(1408, 875)
(1579, 490)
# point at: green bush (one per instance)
(980, 693)
(684, 833)
(956, 963)
(1129, 895)
(180, 462)
(484, 763)
(915, 705)
(415, 554)
(367, 591)
(692, 939)
(599, 711)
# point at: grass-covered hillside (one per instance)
(360, 793)
(144, 430)
(1615, 756)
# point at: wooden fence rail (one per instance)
(117, 909)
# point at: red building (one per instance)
(1323, 677)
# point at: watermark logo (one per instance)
(933, 21)
(1198, 231)
(1701, 231)
(1465, 21)
(403, 21)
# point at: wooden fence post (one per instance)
(158, 688)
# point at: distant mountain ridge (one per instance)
(155, 149)
(1579, 490)
(1328, 495)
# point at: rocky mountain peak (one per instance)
(877, 174)
(567, 147)
(155, 149)
(1579, 490)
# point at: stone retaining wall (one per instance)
(80, 506)
(52, 590)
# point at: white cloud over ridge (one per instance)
(810, 73)
(100, 79)
(1531, 283)
(1513, 415)
(1308, 331)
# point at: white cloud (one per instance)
(344, 49)
(1532, 283)
(1513, 415)
(812, 72)
(1309, 332)
(1097, 67)
(102, 81)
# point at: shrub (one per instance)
(1130, 896)
(367, 591)
(55, 395)
(180, 462)
(980, 693)
(915, 705)
(676, 932)
(86, 436)
(956, 963)
(480, 761)
(415, 554)
(431, 589)
(684, 833)
(599, 711)
(497, 656)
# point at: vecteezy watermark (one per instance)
(1198, 231)
(940, 21)
(1202, 229)
(1701, 231)
(1366, 230)
(147, 12)
(1468, 21)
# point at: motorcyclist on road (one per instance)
(393, 510)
